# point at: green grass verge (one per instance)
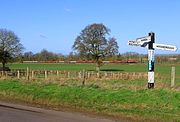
(142, 104)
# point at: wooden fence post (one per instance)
(2, 73)
(84, 77)
(105, 75)
(57, 72)
(114, 76)
(18, 74)
(88, 75)
(173, 72)
(6, 73)
(120, 75)
(45, 73)
(80, 74)
(133, 75)
(68, 74)
(27, 73)
(111, 75)
(97, 75)
(32, 74)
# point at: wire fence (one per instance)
(51, 74)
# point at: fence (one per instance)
(51, 74)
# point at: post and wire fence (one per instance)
(50, 74)
(28, 74)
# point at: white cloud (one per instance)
(67, 9)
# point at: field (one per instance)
(127, 99)
(164, 70)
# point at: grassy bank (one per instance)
(141, 104)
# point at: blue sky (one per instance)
(54, 24)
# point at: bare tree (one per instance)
(46, 55)
(28, 56)
(10, 46)
(92, 42)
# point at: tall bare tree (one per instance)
(93, 42)
(10, 46)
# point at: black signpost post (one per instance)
(151, 58)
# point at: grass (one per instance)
(164, 70)
(122, 98)
(41, 66)
(139, 105)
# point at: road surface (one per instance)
(19, 113)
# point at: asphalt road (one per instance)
(19, 113)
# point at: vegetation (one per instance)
(47, 56)
(92, 43)
(139, 105)
(164, 69)
(120, 98)
(10, 46)
(44, 55)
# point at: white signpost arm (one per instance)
(165, 47)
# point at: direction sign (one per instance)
(134, 43)
(142, 42)
(164, 47)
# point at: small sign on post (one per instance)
(149, 41)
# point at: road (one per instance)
(20, 113)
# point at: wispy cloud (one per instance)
(42, 36)
(67, 9)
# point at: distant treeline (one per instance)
(84, 61)
(128, 57)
